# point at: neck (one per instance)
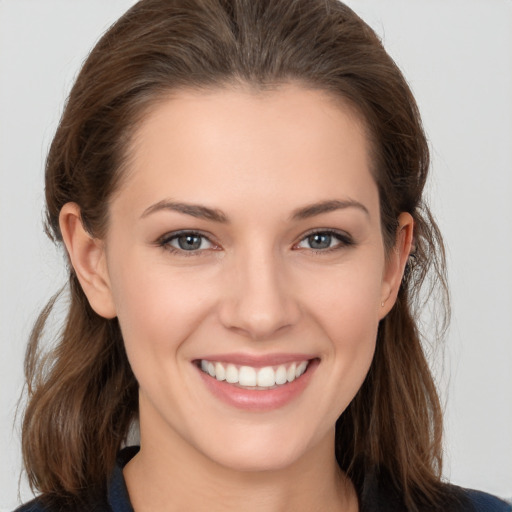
(168, 476)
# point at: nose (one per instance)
(259, 301)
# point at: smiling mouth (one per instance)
(252, 378)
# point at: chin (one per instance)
(262, 460)
(250, 451)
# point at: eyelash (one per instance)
(165, 243)
(344, 241)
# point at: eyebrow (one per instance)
(195, 210)
(327, 206)
(213, 214)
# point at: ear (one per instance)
(396, 261)
(87, 255)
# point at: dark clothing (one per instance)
(374, 495)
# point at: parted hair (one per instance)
(82, 395)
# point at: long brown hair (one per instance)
(82, 393)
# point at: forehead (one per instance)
(289, 144)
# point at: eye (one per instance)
(185, 241)
(325, 241)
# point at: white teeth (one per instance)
(290, 374)
(247, 376)
(301, 368)
(231, 374)
(220, 372)
(281, 375)
(266, 377)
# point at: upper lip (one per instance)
(257, 361)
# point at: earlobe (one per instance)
(87, 255)
(397, 259)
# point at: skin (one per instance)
(255, 286)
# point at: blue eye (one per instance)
(320, 241)
(185, 241)
(325, 240)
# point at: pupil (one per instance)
(320, 241)
(189, 242)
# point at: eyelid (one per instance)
(344, 239)
(164, 242)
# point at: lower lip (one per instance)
(255, 399)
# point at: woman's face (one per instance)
(246, 266)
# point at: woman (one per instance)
(238, 186)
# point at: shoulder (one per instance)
(32, 506)
(116, 497)
(381, 495)
(483, 502)
(42, 505)
(36, 505)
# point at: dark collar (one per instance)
(118, 498)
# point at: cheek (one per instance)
(157, 309)
(348, 312)
(347, 302)
(351, 324)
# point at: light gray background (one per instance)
(457, 56)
